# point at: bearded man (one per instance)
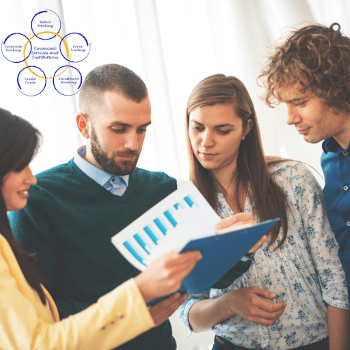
(75, 208)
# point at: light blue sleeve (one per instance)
(184, 309)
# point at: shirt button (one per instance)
(345, 153)
(345, 188)
(348, 223)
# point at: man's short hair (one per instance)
(315, 56)
(109, 77)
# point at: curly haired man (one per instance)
(310, 73)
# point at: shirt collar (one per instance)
(330, 145)
(96, 174)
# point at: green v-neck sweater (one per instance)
(69, 220)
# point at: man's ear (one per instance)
(247, 128)
(83, 124)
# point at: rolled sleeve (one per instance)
(184, 309)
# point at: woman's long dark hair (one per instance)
(268, 199)
(19, 141)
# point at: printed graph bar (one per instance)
(150, 234)
(179, 205)
(149, 243)
(189, 201)
(139, 250)
(170, 218)
(142, 243)
(160, 225)
(128, 246)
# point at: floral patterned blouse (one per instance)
(305, 272)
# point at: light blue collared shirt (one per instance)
(96, 174)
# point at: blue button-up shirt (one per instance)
(335, 162)
(96, 174)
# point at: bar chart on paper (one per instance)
(181, 216)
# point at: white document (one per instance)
(180, 217)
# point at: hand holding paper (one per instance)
(165, 274)
(184, 220)
(162, 277)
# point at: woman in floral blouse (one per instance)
(294, 294)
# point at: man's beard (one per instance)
(108, 164)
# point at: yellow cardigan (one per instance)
(25, 323)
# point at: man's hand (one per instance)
(164, 275)
(247, 302)
(237, 220)
(161, 311)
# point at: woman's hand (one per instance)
(164, 275)
(236, 220)
(248, 303)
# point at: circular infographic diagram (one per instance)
(47, 56)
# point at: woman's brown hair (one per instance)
(267, 197)
(19, 141)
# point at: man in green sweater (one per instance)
(77, 207)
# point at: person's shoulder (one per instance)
(52, 180)
(3, 241)
(289, 170)
(56, 175)
(285, 166)
(54, 172)
(295, 177)
(5, 248)
(5, 252)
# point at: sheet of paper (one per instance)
(178, 218)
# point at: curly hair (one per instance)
(315, 56)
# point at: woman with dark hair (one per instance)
(28, 315)
(294, 293)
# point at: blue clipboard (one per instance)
(219, 254)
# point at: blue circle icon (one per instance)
(67, 83)
(32, 82)
(45, 23)
(3, 47)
